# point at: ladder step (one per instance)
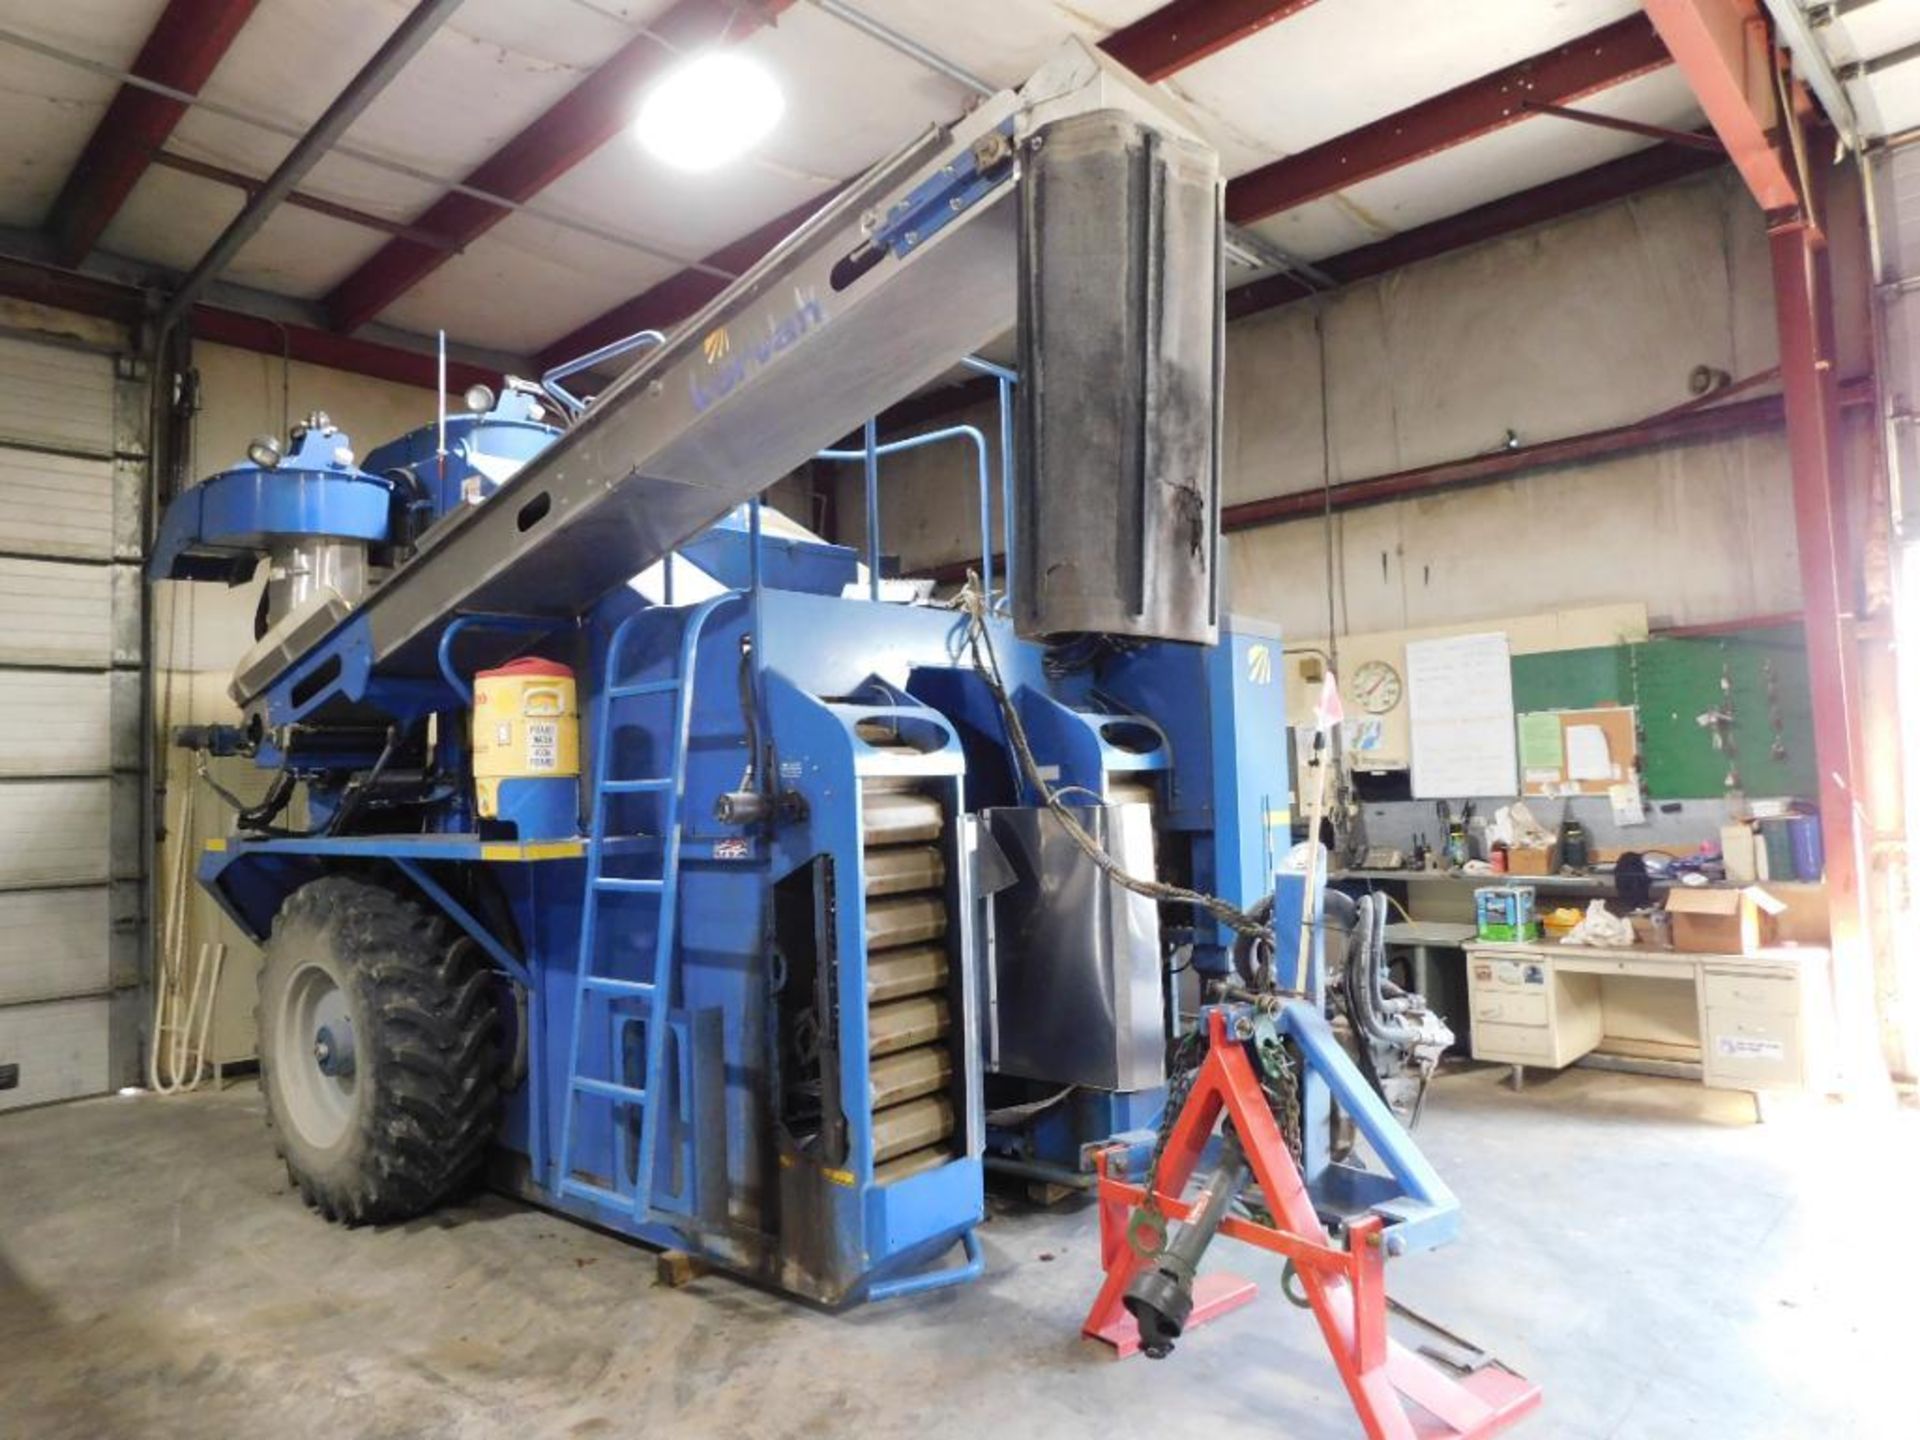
(645, 687)
(626, 885)
(609, 1090)
(587, 1190)
(634, 787)
(607, 985)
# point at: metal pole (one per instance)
(873, 510)
(1794, 30)
(374, 77)
(986, 516)
(907, 46)
(1006, 481)
(440, 417)
(753, 547)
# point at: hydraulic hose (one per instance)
(1366, 967)
(973, 600)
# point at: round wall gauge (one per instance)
(1376, 685)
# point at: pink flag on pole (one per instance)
(1327, 710)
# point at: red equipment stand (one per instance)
(1399, 1394)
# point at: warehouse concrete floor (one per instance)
(1661, 1265)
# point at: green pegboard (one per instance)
(1675, 680)
(1572, 679)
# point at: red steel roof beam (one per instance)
(1555, 200)
(109, 300)
(1662, 432)
(1620, 52)
(570, 130)
(1187, 31)
(1154, 47)
(1723, 49)
(335, 351)
(184, 46)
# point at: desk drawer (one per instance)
(1752, 1048)
(1528, 1044)
(1523, 974)
(1510, 1008)
(1774, 994)
(1574, 963)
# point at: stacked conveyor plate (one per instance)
(905, 838)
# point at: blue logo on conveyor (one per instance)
(728, 367)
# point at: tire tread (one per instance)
(433, 1057)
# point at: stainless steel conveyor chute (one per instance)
(1083, 205)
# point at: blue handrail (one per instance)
(573, 404)
(1008, 379)
(512, 624)
(872, 450)
(871, 455)
(982, 366)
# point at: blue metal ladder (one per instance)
(655, 996)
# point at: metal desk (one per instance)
(1753, 1022)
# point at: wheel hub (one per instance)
(316, 1073)
(333, 1048)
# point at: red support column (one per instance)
(1722, 46)
(1803, 309)
(1726, 52)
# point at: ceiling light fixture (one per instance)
(710, 110)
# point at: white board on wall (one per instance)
(1460, 712)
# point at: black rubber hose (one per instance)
(1366, 959)
(1253, 955)
(356, 794)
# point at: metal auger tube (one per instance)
(1161, 1297)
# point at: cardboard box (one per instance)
(1652, 929)
(1804, 921)
(1533, 860)
(1723, 921)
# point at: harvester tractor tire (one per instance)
(380, 1051)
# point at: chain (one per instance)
(1279, 1082)
(1183, 1068)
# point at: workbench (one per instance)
(1759, 1022)
(1439, 921)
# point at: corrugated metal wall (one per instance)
(73, 424)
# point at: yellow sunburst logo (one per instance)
(1259, 665)
(716, 345)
